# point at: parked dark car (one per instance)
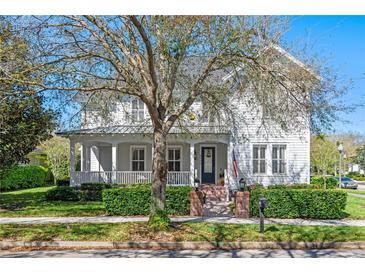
(347, 182)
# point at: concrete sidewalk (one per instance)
(117, 253)
(222, 220)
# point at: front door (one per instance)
(208, 165)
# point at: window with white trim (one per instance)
(138, 158)
(278, 159)
(174, 158)
(259, 159)
(137, 110)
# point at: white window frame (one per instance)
(138, 110)
(259, 159)
(131, 156)
(181, 156)
(279, 160)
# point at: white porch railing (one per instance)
(176, 178)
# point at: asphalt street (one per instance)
(269, 253)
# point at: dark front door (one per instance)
(208, 165)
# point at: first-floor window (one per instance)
(174, 159)
(259, 159)
(278, 159)
(138, 158)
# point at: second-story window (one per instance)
(137, 110)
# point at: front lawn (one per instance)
(189, 231)
(32, 202)
(355, 207)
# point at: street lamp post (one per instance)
(340, 150)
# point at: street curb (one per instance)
(4, 245)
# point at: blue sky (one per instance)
(341, 41)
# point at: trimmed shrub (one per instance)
(62, 193)
(356, 176)
(23, 177)
(136, 200)
(328, 182)
(300, 203)
(294, 186)
(177, 200)
(93, 191)
(65, 182)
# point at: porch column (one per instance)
(87, 158)
(114, 161)
(231, 180)
(82, 157)
(192, 167)
(72, 162)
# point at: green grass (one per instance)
(180, 232)
(355, 207)
(362, 192)
(32, 202)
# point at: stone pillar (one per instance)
(192, 163)
(72, 162)
(196, 203)
(242, 204)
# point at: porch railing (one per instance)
(176, 178)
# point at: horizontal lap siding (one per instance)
(248, 133)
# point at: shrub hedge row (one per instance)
(62, 193)
(93, 191)
(23, 177)
(294, 186)
(324, 182)
(356, 176)
(300, 203)
(136, 200)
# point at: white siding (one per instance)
(248, 132)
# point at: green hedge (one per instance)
(136, 200)
(93, 191)
(300, 203)
(320, 181)
(23, 177)
(356, 176)
(62, 193)
(294, 186)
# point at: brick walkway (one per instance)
(223, 220)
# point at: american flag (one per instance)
(235, 167)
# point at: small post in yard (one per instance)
(262, 206)
(340, 150)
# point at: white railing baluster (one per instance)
(174, 178)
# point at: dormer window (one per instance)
(137, 110)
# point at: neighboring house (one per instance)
(119, 149)
(37, 157)
(355, 168)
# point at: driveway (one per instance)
(269, 253)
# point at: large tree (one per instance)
(169, 62)
(24, 122)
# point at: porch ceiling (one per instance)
(145, 129)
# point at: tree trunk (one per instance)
(159, 171)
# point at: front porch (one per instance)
(128, 160)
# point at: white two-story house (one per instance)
(119, 149)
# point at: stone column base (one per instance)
(196, 203)
(242, 201)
